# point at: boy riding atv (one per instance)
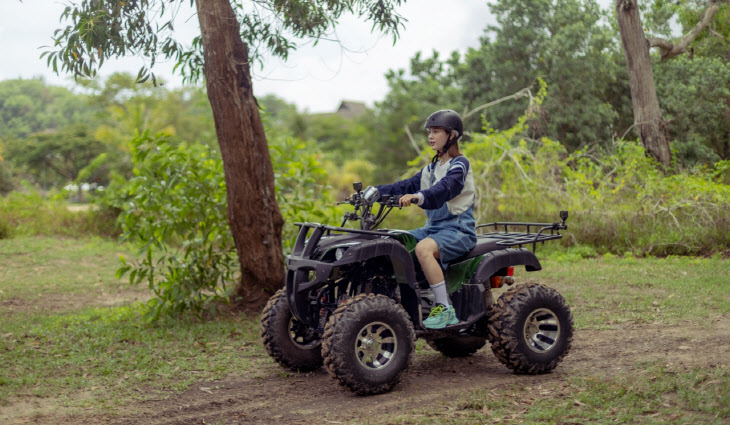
(356, 299)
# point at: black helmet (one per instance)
(447, 119)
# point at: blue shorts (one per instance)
(451, 238)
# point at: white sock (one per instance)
(439, 292)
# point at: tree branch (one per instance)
(669, 49)
(425, 158)
(522, 93)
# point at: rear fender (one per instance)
(494, 261)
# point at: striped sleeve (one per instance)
(403, 187)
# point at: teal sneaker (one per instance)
(440, 317)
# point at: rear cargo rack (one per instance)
(507, 235)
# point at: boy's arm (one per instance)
(403, 187)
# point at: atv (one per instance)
(355, 300)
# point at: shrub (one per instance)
(619, 200)
(175, 209)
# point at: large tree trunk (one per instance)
(253, 214)
(647, 116)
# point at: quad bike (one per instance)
(355, 300)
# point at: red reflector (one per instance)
(510, 271)
(496, 281)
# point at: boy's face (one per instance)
(437, 137)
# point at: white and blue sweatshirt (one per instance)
(451, 183)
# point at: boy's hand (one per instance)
(407, 200)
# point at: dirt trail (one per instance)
(316, 398)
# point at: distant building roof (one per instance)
(350, 109)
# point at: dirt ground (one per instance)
(287, 399)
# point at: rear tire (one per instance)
(457, 346)
(286, 339)
(532, 329)
(368, 344)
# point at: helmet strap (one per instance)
(446, 147)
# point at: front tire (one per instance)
(368, 344)
(532, 329)
(286, 339)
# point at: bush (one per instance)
(175, 208)
(619, 201)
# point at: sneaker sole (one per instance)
(442, 326)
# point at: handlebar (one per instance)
(366, 200)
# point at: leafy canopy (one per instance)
(101, 29)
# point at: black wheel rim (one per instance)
(301, 336)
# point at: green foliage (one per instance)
(342, 137)
(619, 201)
(100, 30)
(127, 108)
(6, 178)
(30, 106)
(6, 230)
(696, 90)
(564, 42)
(428, 86)
(300, 190)
(175, 208)
(29, 213)
(56, 157)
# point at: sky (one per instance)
(315, 78)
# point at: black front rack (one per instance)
(508, 237)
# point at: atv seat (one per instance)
(484, 245)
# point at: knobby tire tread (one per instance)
(336, 360)
(276, 309)
(504, 332)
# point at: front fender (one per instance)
(394, 250)
(493, 261)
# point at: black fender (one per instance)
(403, 269)
(493, 261)
(399, 256)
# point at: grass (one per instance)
(83, 355)
(40, 266)
(112, 351)
(654, 396)
(52, 341)
(612, 290)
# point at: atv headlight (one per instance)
(339, 252)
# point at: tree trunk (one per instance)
(253, 214)
(647, 116)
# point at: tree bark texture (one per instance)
(647, 115)
(253, 214)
